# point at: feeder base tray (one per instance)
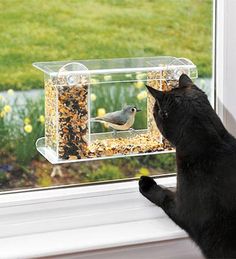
(52, 157)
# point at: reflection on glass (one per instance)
(22, 119)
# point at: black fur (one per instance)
(204, 203)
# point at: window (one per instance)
(71, 221)
(59, 31)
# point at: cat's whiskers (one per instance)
(169, 102)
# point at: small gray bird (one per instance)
(119, 120)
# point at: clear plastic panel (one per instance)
(77, 93)
(112, 66)
(51, 114)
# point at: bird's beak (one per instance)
(138, 110)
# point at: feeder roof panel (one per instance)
(110, 66)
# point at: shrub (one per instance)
(28, 127)
(5, 126)
(105, 172)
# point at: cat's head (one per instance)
(175, 110)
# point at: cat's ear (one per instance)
(184, 81)
(155, 93)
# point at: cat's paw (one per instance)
(152, 191)
(146, 183)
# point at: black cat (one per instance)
(204, 203)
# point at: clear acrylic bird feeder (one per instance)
(76, 92)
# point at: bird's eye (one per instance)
(132, 109)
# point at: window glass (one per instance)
(33, 31)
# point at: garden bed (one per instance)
(21, 124)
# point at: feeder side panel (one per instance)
(153, 80)
(50, 115)
(157, 80)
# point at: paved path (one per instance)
(20, 96)
(203, 83)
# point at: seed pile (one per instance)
(50, 115)
(73, 121)
(142, 143)
(67, 118)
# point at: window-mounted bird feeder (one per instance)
(96, 109)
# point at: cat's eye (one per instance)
(178, 99)
(164, 114)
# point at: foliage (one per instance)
(105, 172)
(85, 29)
(28, 127)
(5, 127)
(44, 179)
(164, 162)
(3, 178)
(20, 126)
(142, 171)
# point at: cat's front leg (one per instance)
(160, 196)
(153, 192)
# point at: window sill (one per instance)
(81, 219)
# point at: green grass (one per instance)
(40, 30)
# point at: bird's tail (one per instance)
(97, 119)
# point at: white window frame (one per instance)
(225, 56)
(112, 220)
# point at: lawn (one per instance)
(40, 30)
